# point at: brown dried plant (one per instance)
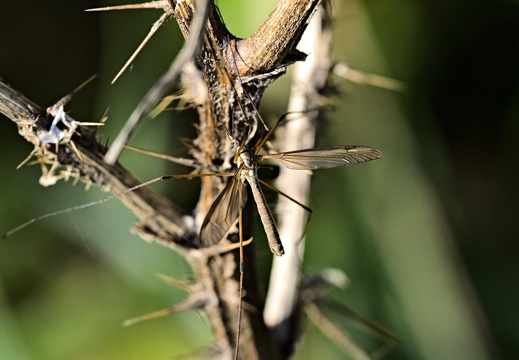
(223, 78)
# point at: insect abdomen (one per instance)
(266, 217)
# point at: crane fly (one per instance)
(230, 202)
(228, 205)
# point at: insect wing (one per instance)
(324, 157)
(224, 212)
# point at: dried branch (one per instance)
(225, 81)
(158, 218)
(270, 46)
(187, 55)
(310, 81)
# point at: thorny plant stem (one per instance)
(309, 81)
(187, 54)
(230, 95)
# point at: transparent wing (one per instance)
(224, 212)
(324, 157)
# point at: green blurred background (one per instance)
(428, 235)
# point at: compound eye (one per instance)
(235, 144)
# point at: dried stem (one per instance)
(158, 218)
(224, 78)
(309, 83)
(187, 55)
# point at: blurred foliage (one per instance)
(427, 235)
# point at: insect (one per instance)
(231, 201)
